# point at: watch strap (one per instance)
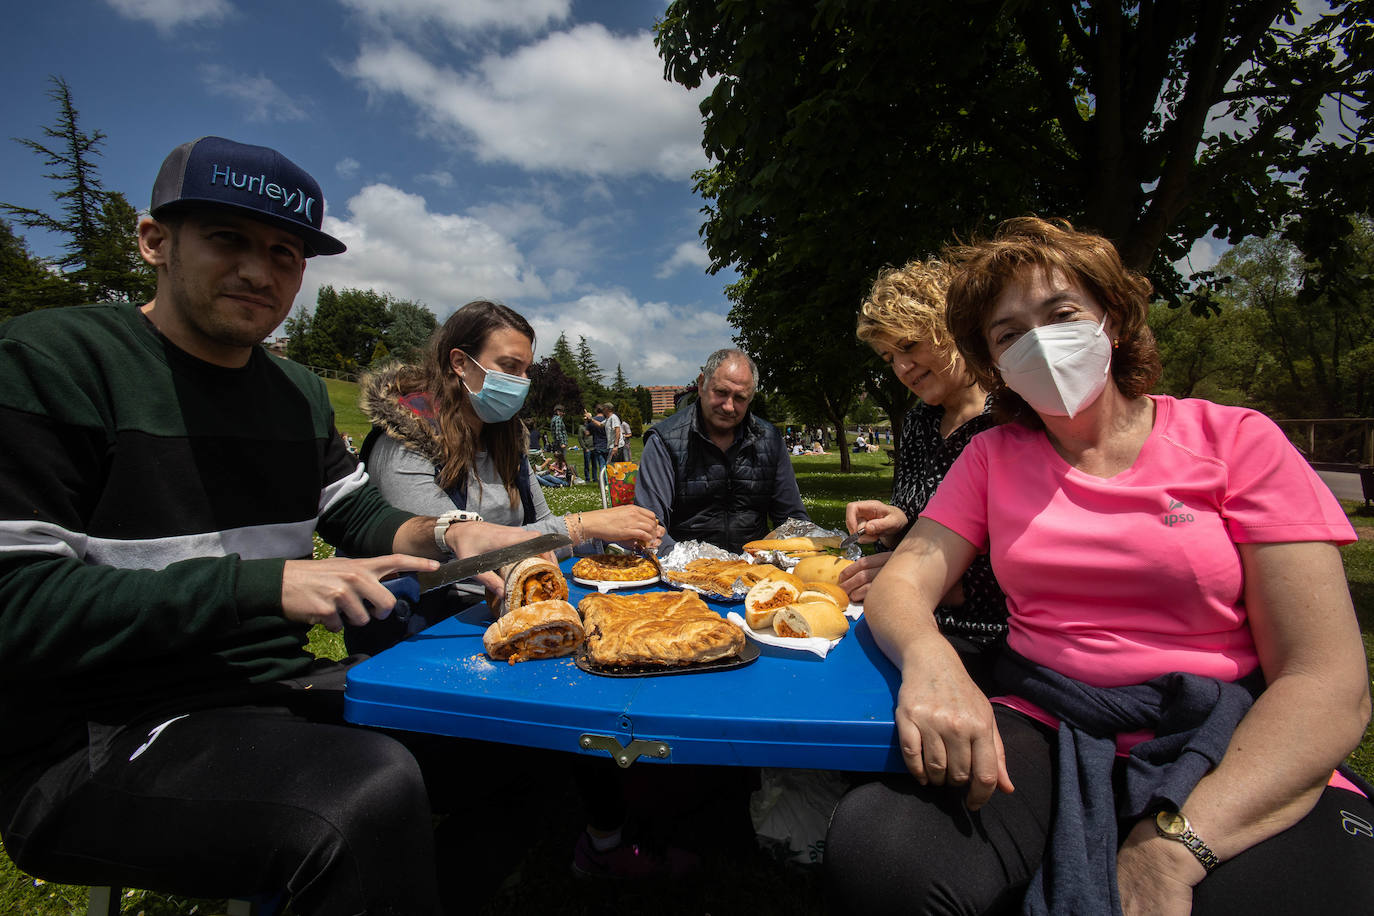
(1195, 844)
(448, 518)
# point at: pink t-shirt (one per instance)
(1115, 581)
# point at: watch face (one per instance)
(1171, 822)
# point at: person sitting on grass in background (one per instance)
(554, 471)
(1183, 671)
(164, 723)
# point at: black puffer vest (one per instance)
(720, 498)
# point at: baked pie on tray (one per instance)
(657, 633)
(615, 570)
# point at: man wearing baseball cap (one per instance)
(161, 481)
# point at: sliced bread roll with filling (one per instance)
(819, 619)
(544, 629)
(766, 596)
(532, 580)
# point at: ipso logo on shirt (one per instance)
(297, 199)
(1172, 517)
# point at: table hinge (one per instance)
(625, 754)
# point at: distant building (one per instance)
(662, 396)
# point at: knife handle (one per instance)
(406, 588)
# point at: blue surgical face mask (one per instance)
(500, 397)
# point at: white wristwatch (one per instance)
(448, 518)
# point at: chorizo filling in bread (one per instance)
(543, 643)
(540, 587)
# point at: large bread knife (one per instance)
(465, 567)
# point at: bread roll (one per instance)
(793, 546)
(820, 569)
(815, 618)
(545, 629)
(531, 580)
(766, 596)
(824, 591)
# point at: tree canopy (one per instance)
(551, 386)
(351, 329)
(845, 136)
(1276, 343)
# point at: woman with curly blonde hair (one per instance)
(903, 320)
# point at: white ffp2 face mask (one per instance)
(1059, 368)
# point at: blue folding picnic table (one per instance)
(786, 709)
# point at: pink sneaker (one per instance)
(631, 861)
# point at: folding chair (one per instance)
(617, 481)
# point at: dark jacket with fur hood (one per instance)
(380, 399)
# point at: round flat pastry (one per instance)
(615, 567)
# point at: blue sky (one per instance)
(523, 150)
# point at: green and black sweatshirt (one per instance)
(148, 502)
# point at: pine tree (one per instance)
(115, 271)
(563, 354)
(620, 388)
(588, 372)
(81, 199)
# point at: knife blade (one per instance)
(637, 550)
(850, 545)
(463, 568)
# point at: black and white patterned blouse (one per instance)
(923, 459)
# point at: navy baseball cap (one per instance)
(213, 171)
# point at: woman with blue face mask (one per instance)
(1183, 673)
(446, 439)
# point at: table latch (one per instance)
(625, 754)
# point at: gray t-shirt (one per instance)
(406, 479)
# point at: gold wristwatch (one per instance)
(1173, 825)
(448, 518)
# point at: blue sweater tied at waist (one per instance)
(1193, 718)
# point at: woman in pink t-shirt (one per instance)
(1174, 593)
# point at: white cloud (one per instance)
(533, 217)
(688, 254)
(581, 101)
(397, 245)
(438, 177)
(465, 16)
(261, 99)
(348, 167)
(654, 343)
(1204, 255)
(166, 15)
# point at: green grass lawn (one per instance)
(731, 881)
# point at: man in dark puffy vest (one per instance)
(715, 472)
